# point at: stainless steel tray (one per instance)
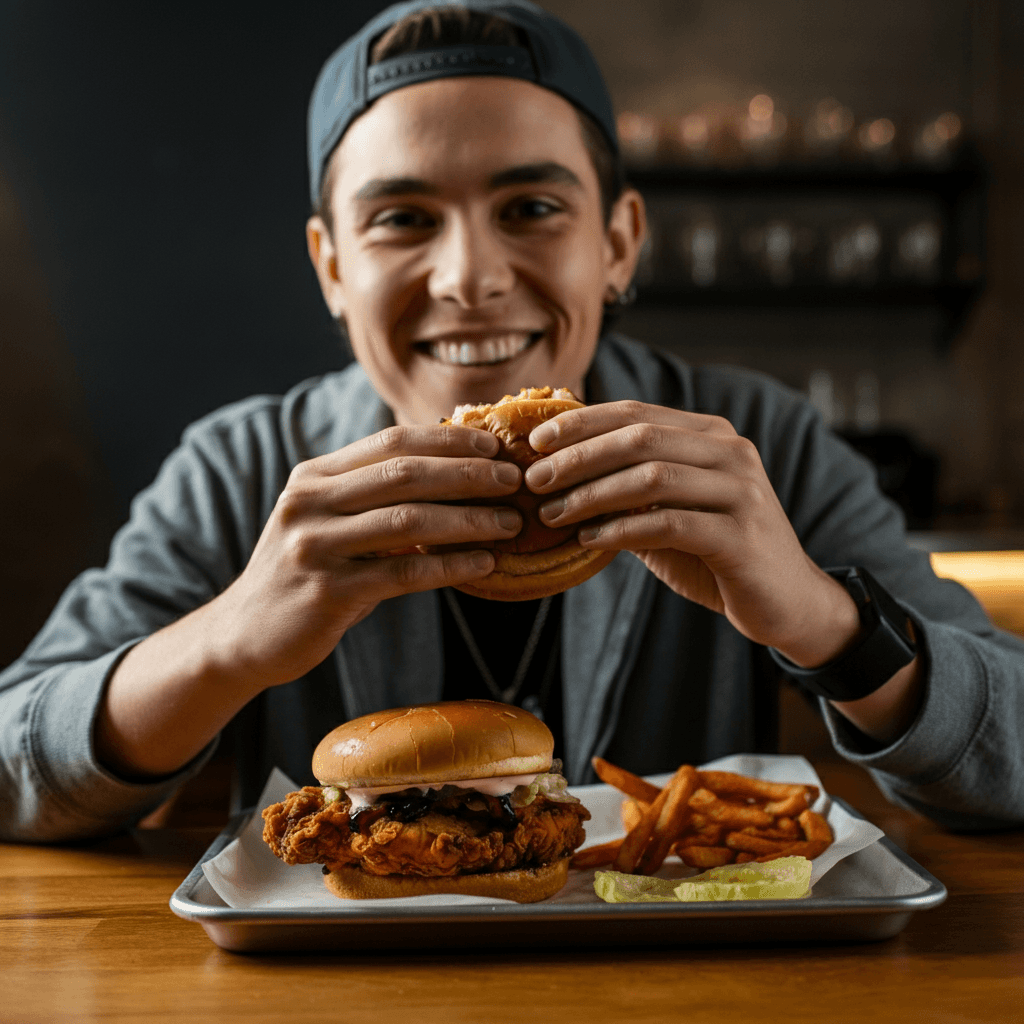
(850, 904)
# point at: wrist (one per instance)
(830, 625)
(885, 645)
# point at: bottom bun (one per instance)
(527, 576)
(524, 885)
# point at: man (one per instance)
(469, 236)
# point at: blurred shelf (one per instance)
(776, 236)
(964, 170)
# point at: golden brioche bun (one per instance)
(540, 560)
(430, 743)
(524, 885)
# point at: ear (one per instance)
(324, 258)
(624, 237)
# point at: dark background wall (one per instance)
(152, 254)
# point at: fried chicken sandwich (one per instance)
(540, 560)
(456, 797)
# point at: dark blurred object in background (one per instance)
(907, 473)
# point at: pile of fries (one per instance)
(707, 819)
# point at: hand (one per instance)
(344, 535)
(713, 529)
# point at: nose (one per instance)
(471, 264)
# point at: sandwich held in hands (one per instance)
(540, 560)
(455, 797)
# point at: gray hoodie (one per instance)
(650, 680)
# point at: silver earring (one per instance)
(623, 299)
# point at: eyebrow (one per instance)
(545, 172)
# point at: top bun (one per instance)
(445, 742)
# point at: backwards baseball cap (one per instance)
(557, 59)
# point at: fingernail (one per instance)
(552, 509)
(481, 560)
(505, 473)
(589, 533)
(540, 473)
(507, 519)
(485, 442)
(543, 435)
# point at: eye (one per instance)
(530, 209)
(403, 219)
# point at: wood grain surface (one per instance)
(86, 935)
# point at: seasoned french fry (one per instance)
(708, 835)
(706, 856)
(628, 783)
(788, 827)
(809, 848)
(790, 807)
(815, 827)
(596, 856)
(756, 845)
(746, 858)
(731, 784)
(726, 813)
(632, 811)
(671, 822)
(637, 838)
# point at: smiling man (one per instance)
(471, 231)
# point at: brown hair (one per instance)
(455, 26)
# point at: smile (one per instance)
(497, 348)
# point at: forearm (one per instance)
(171, 695)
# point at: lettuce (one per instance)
(550, 784)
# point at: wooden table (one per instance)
(86, 935)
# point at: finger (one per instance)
(439, 439)
(638, 443)
(403, 478)
(652, 483)
(577, 425)
(382, 578)
(401, 526)
(703, 534)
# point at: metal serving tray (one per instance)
(850, 904)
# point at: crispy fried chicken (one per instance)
(441, 834)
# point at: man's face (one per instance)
(469, 256)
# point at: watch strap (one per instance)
(886, 644)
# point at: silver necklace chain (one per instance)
(509, 694)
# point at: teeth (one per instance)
(473, 353)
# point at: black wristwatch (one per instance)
(885, 646)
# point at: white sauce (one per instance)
(499, 786)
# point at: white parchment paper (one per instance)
(247, 876)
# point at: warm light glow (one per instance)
(982, 570)
(761, 108)
(947, 126)
(877, 134)
(636, 127)
(833, 120)
(996, 578)
(694, 130)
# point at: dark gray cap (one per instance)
(558, 59)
